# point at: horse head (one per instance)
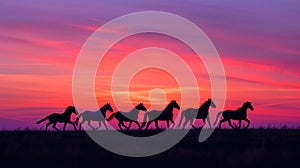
(141, 107)
(108, 107)
(174, 104)
(72, 109)
(249, 105)
(212, 104)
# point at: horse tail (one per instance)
(46, 118)
(77, 119)
(181, 117)
(218, 116)
(145, 120)
(111, 117)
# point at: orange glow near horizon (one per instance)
(149, 79)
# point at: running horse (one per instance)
(189, 114)
(55, 118)
(165, 115)
(98, 115)
(130, 116)
(239, 114)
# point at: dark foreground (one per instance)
(224, 148)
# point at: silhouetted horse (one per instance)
(55, 118)
(165, 115)
(239, 114)
(132, 116)
(189, 114)
(98, 115)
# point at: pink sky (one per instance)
(258, 43)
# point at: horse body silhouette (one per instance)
(239, 114)
(55, 118)
(190, 114)
(98, 115)
(132, 116)
(165, 115)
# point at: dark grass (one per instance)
(224, 148)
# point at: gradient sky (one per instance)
(258, 43)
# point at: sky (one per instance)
(258, 43)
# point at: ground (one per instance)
(224, 148)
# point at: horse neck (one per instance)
(134, 111)
(67, 113)
(243, 109)
(103, 110)
(204, 106)
(169, 108)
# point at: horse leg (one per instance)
(156, 124)
(105, 125)
(72, 125)
(89, 123)
(247, 122)
(119, 124)
(47, 125)
(240, 123)
(148, 124)
(138, 124)
(204, 122)
(192, 125)
(130, 122)
(230, 124)
(172, 123)
(53, 126)
(168, 124)
(208, 121)
(122, 122)
(185, 122)
(99, 125)
(65, 124)
(221, 121)
(83, 121)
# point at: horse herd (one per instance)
(189, 115)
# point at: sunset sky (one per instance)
(258, 42)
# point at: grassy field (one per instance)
(243, 148)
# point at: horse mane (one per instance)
(207, 102)
(103, 112)
(168, 106)
(68, 108)
(243, 106)
(101, 108)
